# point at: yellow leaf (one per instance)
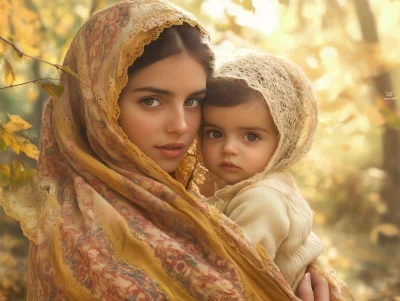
(52, 89)
(4, 175)
(10, 140)
(30, 150)
(388, 230)
(16, 123)
(9, 75)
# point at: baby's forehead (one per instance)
(251, 100)
(250, 110)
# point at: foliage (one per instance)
(12, 268)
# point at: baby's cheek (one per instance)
(209, 154)
(260, 161)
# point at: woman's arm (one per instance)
(313, 287)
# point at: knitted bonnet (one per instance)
(288, 94)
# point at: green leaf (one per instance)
(52, 89)
(5, 175)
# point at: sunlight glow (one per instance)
(265, 18)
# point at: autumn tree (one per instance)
(391, 136)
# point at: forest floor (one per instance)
(372, 271)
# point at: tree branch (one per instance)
(32, 81)
(21, 54)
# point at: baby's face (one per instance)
(238, 142)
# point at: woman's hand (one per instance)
(313, 287)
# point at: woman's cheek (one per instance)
(194, 123)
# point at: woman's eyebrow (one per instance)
(153, 90)
(165, 92)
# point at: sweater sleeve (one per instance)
(261, 213)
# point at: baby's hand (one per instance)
(313, 287)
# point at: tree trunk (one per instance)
(36, 117)
(391, 138)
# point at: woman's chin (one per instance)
(169, 167)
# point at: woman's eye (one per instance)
(150, 102)
(214, 134)
(192, 102)
(251, 137)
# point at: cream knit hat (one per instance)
(288, 94)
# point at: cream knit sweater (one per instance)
(272, 212)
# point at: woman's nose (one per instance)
(177, 122)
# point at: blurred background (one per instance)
(350, 50)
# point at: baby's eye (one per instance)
(214, 134)
(251, 137)
(193, 102)
(150, 102)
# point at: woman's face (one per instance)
(161, 108)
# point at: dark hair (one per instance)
(175, 40)
(228, 92)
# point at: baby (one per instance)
(259, 118)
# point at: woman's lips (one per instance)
(171, 150)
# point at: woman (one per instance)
(110, 221)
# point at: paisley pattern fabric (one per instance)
(104, 221)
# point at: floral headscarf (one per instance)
(105, 222)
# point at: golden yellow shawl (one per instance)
(105, 222)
